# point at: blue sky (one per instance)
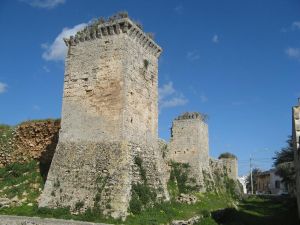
(237, 61)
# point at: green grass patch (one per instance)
(264, 210)
(19, 178)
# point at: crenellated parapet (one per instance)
(192, 115)
(115, 25)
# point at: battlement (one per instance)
(192, 115)
(115, 25)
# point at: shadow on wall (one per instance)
(30, 140)
(47, 156)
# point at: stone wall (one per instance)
(29, 140)
(109, 117)
(296, 144)
(189, 144)
(230, 166)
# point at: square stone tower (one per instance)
(189, 144)
(109, 118)
(296, 146)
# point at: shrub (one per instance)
(227, 155)
(79, 205)
(179, 175)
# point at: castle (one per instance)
(296, 147)
(108, 141)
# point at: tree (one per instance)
(255, 174)
(284, 164)
(286, 154)
(227, 155)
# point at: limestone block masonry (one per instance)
(30, 140)
(189, 144)
(296, 144)
(109, 117)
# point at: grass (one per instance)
(264, 210)
(21, 180)
(6, 135)
(166, 212)
(162, 213)
(40, 120)
(17, 179)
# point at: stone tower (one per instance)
(109, 117)
(189, 144)
(296, 146)
(230, 166)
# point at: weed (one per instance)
(79, 205)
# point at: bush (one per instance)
(227, 155)
(179, 175)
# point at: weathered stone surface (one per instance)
(190, 221)
(225, 166)
(187, 199)
(296, 144)
(22, 220)
(31, 140)
(109, 117)
(189, 144)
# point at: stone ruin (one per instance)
(109, 124)
(109, 118)
(36, 139)
(296, 146)
(190, 144)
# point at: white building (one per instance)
(242, 180)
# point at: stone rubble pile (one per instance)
(30, 140)
(190, 221)
(187, 199)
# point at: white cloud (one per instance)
(58, 50)
(166, 90)
(45, 4)
(293, 53)
(36, 108)
(215, 39)
(3, 87)
(296, 25)
(203, 98)
(46, 69)
(192, 55)
(173, 102)
(179, 9)
(293, 27)
(169, 97)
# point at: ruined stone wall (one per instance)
(230, 166)
(189, 144)
(296, 144)
(29, 140)
(109, 117)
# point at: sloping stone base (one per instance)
(99, 175)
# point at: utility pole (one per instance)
(251, 178)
